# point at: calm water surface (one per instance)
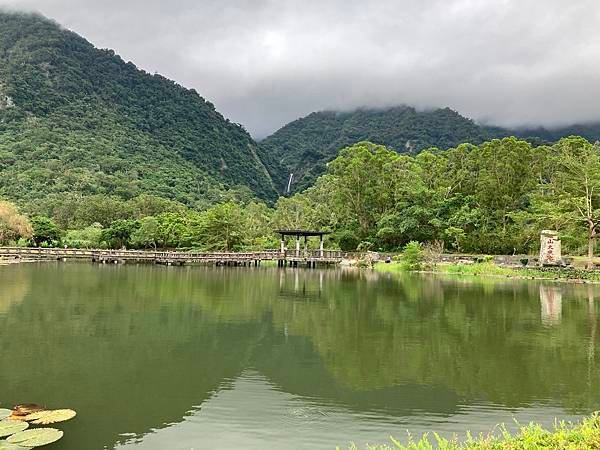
(157, 358)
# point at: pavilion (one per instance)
(301, 233)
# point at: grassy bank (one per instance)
(582, 436)
(491, 269)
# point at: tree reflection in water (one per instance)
(134, 348)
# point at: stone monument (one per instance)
(550, 248)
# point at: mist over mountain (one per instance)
(265, 63)
(79, 120)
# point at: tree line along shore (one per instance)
(492, 198)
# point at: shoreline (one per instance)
(491, 270)
(576, 435)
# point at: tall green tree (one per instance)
(118, 235)
(570, 197)
(147, 234)
(45, 231)
(222, 228)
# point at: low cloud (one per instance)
(266, 62)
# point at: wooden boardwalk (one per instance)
(309, 258)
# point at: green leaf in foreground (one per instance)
(36, 437)
(4, 413)
(8, 427)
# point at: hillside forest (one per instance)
(305, 146)
(490, 198)
(78, 119)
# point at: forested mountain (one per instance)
(304, 146)
(77, 119)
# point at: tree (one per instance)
(347, 240)
(222, 227)
(571, 196)
(147, 234)
(12, 224)
(45, 231)
(172, 227)
(258, 226)
(152, 205)
(501, 183)
(88, 237)
(119, 233)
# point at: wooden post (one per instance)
(321, 247)
(297, 245)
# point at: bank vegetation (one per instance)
(563, 436)
(493, 198)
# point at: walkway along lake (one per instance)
(176, 358)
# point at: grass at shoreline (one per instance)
(582, 436)
(491, 269)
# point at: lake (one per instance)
(156, 358)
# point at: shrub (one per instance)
(412, 256)
(347, 240)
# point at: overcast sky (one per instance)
(264, 63)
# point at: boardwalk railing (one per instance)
(162, 256)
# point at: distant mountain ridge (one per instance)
(303, 147)
(77, 119)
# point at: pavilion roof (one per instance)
(306, 233)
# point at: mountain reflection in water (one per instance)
(201, 357)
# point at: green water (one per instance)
(190, 358)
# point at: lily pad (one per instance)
(4, 413)
(36, 437)
(8, 446)
(8, 427)
(51, 416)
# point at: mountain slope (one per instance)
(74, 118)
(304, 146)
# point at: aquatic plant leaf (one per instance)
(8, 446)
(36, 437)
(17, 418)
(50, 416)
(4, 413)
(8, 427)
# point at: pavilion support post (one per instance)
(297, 245)
(321, 247)
(282, 247)
(305, 244)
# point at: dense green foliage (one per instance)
(77, 119)
(99, 153)
(305, 146)
(585, 435)
(45, 231)
(491, 198)
(494, 198)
